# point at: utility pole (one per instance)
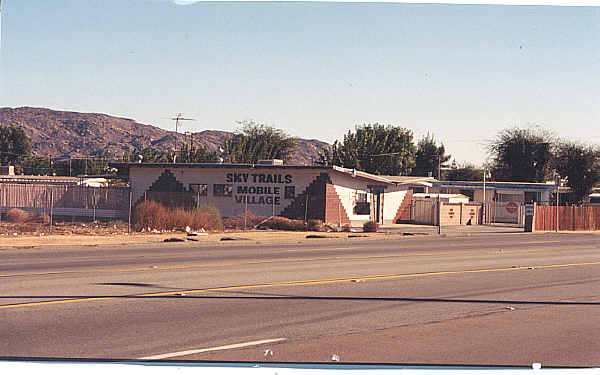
(484, 196)
(557, 183)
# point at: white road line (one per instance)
(225, 347)
(538, 242)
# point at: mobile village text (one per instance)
(258, 194)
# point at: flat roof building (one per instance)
(334, 195)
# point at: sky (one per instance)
(313, 69)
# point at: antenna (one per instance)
(178, 118)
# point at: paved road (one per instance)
(494, 299)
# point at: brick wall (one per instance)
(472, 212)
(335, 213)
(403, 214)
(450, 214)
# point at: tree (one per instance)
(254, 142)
(581, 166)
(429, 157)
(522, 155)
(15, 145)
(36, 165)
(374, 148)
(196, 154)
(465, 172)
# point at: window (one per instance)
(222, 190)
(289, 192)
(200, 189)
(362, 206)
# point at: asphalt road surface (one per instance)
(503, 299)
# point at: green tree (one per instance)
(429, 157)
(196, 154)
(15, 145)
(465, 172)
(36, 165)
(581, 166)
(374, 148)
(254, 142)
(523, 155)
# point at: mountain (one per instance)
(75, 134)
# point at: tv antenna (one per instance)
(179, 118)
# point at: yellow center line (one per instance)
(258, 262)
(298, 282)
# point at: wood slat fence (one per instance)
(570, 218)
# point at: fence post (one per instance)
(439, 216)
(245, 212)
(51, 208)
(129, 217)
(306, 207)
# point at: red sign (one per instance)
(511, 207)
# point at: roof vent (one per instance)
(8, 170)
(270, 162)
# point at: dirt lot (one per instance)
(115, 233)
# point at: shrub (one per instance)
(40, 218)
(237, 222)
(370, 226)
(15, 215)
(346, 228)
(150, 214)
(206, 217)
(154, 215)
(283, 223)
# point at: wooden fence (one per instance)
(569, 218)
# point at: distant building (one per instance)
(503, 200)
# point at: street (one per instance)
(495, 299)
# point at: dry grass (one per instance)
(153, 215)
(283, 223)
(17, 216)
(237, 222)
(315, 225)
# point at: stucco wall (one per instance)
(143, 178)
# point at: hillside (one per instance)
(73, 134)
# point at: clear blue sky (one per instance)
(461, 72)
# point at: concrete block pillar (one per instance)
(530, 217)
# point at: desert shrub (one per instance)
(150, 214)
(15, 215)
(283, 223)
(206, 217)
(39, 218)
(346, 228)
(237, 222)
(370, 226)
(154, 215)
